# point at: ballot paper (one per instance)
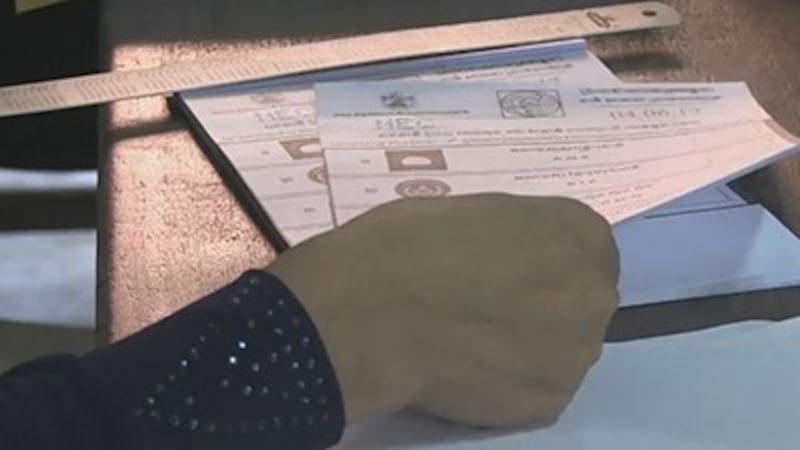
(710, 199)
(622, 149)
(727, 388)
(268, 132)
(263, 138)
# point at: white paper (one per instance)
(268, 130)
(731, 388)
(713, 252)
(713, 197)
(622, 149)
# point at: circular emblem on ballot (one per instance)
(318, 175)
(530, 103)
(422, 188)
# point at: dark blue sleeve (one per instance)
(241, 369)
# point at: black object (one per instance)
(241, 369)
(53, 42)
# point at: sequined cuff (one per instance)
(244, 368)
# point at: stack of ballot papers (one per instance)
(309, 153)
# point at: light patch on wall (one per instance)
(22, 6)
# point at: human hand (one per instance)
(485, 309)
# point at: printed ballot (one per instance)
(623, 149)
(268, 130)
(546, 119)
